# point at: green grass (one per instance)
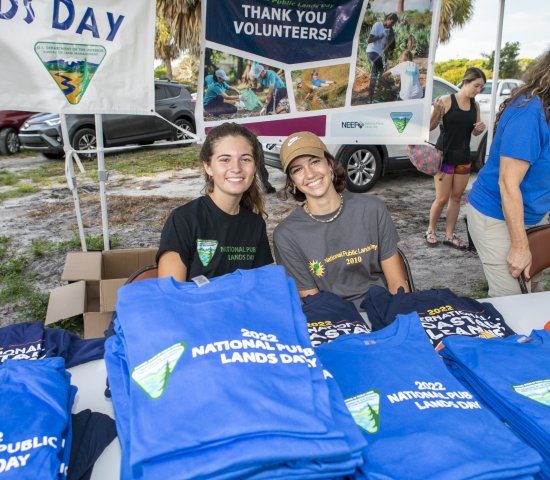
(42, 248)
(152, 160)
(7, 178)
(142, 162)
(17, 285)
(93, 242)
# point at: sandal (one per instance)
(454, 242)
(431, 239)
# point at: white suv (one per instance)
(364, 164)
(504, 89)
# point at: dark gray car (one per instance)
(173, 101)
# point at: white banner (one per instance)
(351, 71)
(77, 56)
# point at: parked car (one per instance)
(173, 101)
(364, 164)
(504, 89)
(10, 123)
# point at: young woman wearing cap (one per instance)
(216, 101)
(223, 230)
(336, 241)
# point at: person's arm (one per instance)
(229, 97)
(512, 172)
(170, 265)
(307, 293)
(394, 273)
(268, 98)
(479, 126)
(440, 107)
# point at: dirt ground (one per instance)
(138, 207)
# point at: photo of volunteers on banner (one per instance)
(344, 69)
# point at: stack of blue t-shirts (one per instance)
(512, 376)
(221, 381)
(419, 421)
(35, 419)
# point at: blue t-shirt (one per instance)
(213, 91)
(210, 80)
(522, 133)
(271, 78)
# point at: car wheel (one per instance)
(85, 139)
(53, 156)
(186, 125)
(9, 141)
(479, 160)
(363, 167)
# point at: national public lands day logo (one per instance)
(365, 410)
(206, 250)
(71, 65)
(401, 120)
(539, 390)
(153, 374)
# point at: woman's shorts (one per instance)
(456, 169)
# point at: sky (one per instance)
(525, 21)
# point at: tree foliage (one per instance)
(509, 62)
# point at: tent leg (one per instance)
(102, 174)
(71, 179)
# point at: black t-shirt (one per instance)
(211, 242)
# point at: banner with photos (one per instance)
(77, 56)
(352, 71)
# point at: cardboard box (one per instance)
(94, 279)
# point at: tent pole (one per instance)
(496, 67)
(102, 174)
(71, 178)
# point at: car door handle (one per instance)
(173, 106)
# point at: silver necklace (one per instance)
(328, 220)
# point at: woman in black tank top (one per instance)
(458, 116)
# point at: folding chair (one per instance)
(539, 244)
(406, 269)
(149, 271)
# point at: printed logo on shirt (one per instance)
(539, 390)
(206, 250)
(153, 374)
(401, 120)
(365, 410)
(317, 268)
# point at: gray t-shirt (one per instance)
(343, 256)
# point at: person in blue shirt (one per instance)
(512, 190)
(216, 101)
(316, 82)
(276, 88)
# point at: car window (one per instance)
(441, 89)
(173, 91)
(487, 88)
(160, 92)
(509, 85)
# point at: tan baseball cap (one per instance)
(301, 143)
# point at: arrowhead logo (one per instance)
(401, 120)
(365, 410)
(71, 65)
(206, 250)
(152, 375)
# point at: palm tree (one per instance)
(165, 46)
(454, 13)
(183, 19)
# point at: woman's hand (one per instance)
(478, 128)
